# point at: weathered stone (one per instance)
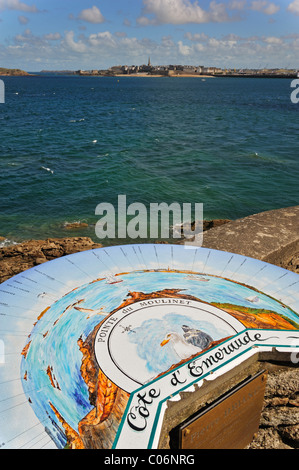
(277, 401)
(17, 258)
(280, 416)
(268, 439)
(206, 225)
(294, 402)
(283, 383)
(40, 261)
(271, 236)
(75, 225)
(291, 434)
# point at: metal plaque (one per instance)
(231, 422)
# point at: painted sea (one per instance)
(68, 143)
(55, 337)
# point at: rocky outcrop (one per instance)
(13, 72)
(75, 225)
(271, 236)
(291, 262)
(17, 258)
(279, 425)
(189, 231)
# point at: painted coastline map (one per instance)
(83, 332)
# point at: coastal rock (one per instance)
(270, 236)
(13, 72)
(206, 225)
(18, 258)
(75, 225)
(40, 261)
(268, 439)
(279, 424)
(292, 263)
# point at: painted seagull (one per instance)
(196, 337)
(182, 349)
(192, 342)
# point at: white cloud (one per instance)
(28, 38)
(72, 44)
(265, 6)
(235, 51)
(183, 49)
(52, 36)
(237, 4)
(23, 19)
(127, 22)
(17, 5)
(155, 12)
(104, 49)
(167, 42)
(103, 38)
(218, 12)
(294, 7)
(144, 21)
(271, 9)
(196, 36)
(273, 40)
(199, 47)
(181, 12)
(92, 15)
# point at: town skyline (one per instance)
(172, 70)
(81, 35)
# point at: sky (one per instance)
(91, 34)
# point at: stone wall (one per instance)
(271, 236)
(279, 425)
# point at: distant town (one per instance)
(149, 70)
(188, 70)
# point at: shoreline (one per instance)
(140, 75)
(16, 257)
(149, 75)
(220, 234)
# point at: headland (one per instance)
(4, 72)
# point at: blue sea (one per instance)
(68, 143)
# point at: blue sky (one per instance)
(91, 34)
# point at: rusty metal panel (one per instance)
(231, 422)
